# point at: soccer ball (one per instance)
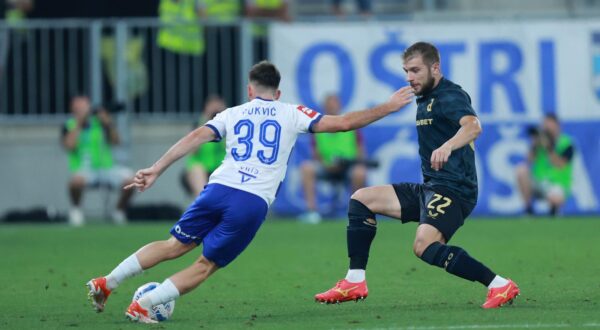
(160, 312)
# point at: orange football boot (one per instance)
(344, 291)
(497, 297)
(98, 293)
(137, 313)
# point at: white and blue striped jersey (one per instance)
(259, 137)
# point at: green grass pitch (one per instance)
(270, 286)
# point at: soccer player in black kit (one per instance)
(446, 127)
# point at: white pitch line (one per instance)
(497, 326)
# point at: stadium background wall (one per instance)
(514, 75)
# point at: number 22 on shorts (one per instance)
(439, 208)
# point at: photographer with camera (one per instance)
(88, 136)
(337, 158)
(547, 173)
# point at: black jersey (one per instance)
(438, 116)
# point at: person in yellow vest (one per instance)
(88, 136)
(17, 10)
(262, 11)
(222, 11)
(180, 31)
(15, 15)
(200, 164)
(336, 157)
(268, 9)
(548, 172)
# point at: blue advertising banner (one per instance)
(514, 71)
(499, 149)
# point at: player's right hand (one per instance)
(402, 97)
(143, 179)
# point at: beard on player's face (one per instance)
(427, 85)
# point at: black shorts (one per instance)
(435, 206)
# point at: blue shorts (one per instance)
(224, 220)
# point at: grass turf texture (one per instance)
(270, 286)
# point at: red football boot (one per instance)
(344, 291)
(497, 297)
(137, 313)
(98, 293)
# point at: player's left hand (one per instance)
(439, 157)
(143, 179)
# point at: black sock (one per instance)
(360, 232)
(458, 262)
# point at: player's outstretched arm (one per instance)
(358, 119)
(144, 178)
(470, 128)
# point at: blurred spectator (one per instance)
(337, 157)
(180, 32)
(88, 136)
(182, 38)
(268, 9)
(200, 165)
(3, 46)
(15, 12)
(265, 10)
(223, 11)
(365, 7)
(136, 80)
(547, 173)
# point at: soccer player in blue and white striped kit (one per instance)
(225, 217)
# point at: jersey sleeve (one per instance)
(456, 106)
(305, 118)
(219, 125)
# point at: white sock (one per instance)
(497, 282)
(355, 275)
(165, 292)
(126, 269)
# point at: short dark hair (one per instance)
(551, 116)
(428, 52)
(265, 74)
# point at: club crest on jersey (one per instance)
(246, 176)
(307, 111)
(430, 105)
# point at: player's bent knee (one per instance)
(427, 252)
(360, 217)
(556, 196)
(77, 182)
(556, 201)
(359, 172)
(420, 245)
(360, 195)
(204, 267)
